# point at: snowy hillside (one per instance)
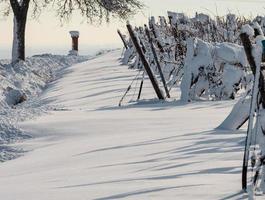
(89, 148)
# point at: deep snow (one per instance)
(91, 149)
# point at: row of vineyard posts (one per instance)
(162, 54)
(160, 48)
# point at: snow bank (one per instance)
(23, 82)
(30, 77)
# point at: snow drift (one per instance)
(23, 82)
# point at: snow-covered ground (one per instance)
(22, 83)
(89, 148)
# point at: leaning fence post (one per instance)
(123, 39)
(74, 36)
(248, 50)
(245, 38)
(146, 65)
(157, 61)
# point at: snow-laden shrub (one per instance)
(213, 71)
(170, 40)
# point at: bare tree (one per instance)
(93, 10)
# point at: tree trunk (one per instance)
(15, 42)
(18, 52)
(20, 11)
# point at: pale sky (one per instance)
(46, 35)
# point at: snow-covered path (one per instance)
(94, 150)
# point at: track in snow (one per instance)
(94, 150)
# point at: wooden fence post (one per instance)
(249, 53)
(123, 39)
(157, 61)
(146, 65)
(248, 50)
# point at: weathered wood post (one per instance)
(248, 50)
(153, 29)
(123, 39)
(74, 36)
(245, 38)
(157, 61)
(146, 65)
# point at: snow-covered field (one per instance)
(89, 148)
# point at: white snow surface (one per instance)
(25, 81)
(248, 30)
(91, 149)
